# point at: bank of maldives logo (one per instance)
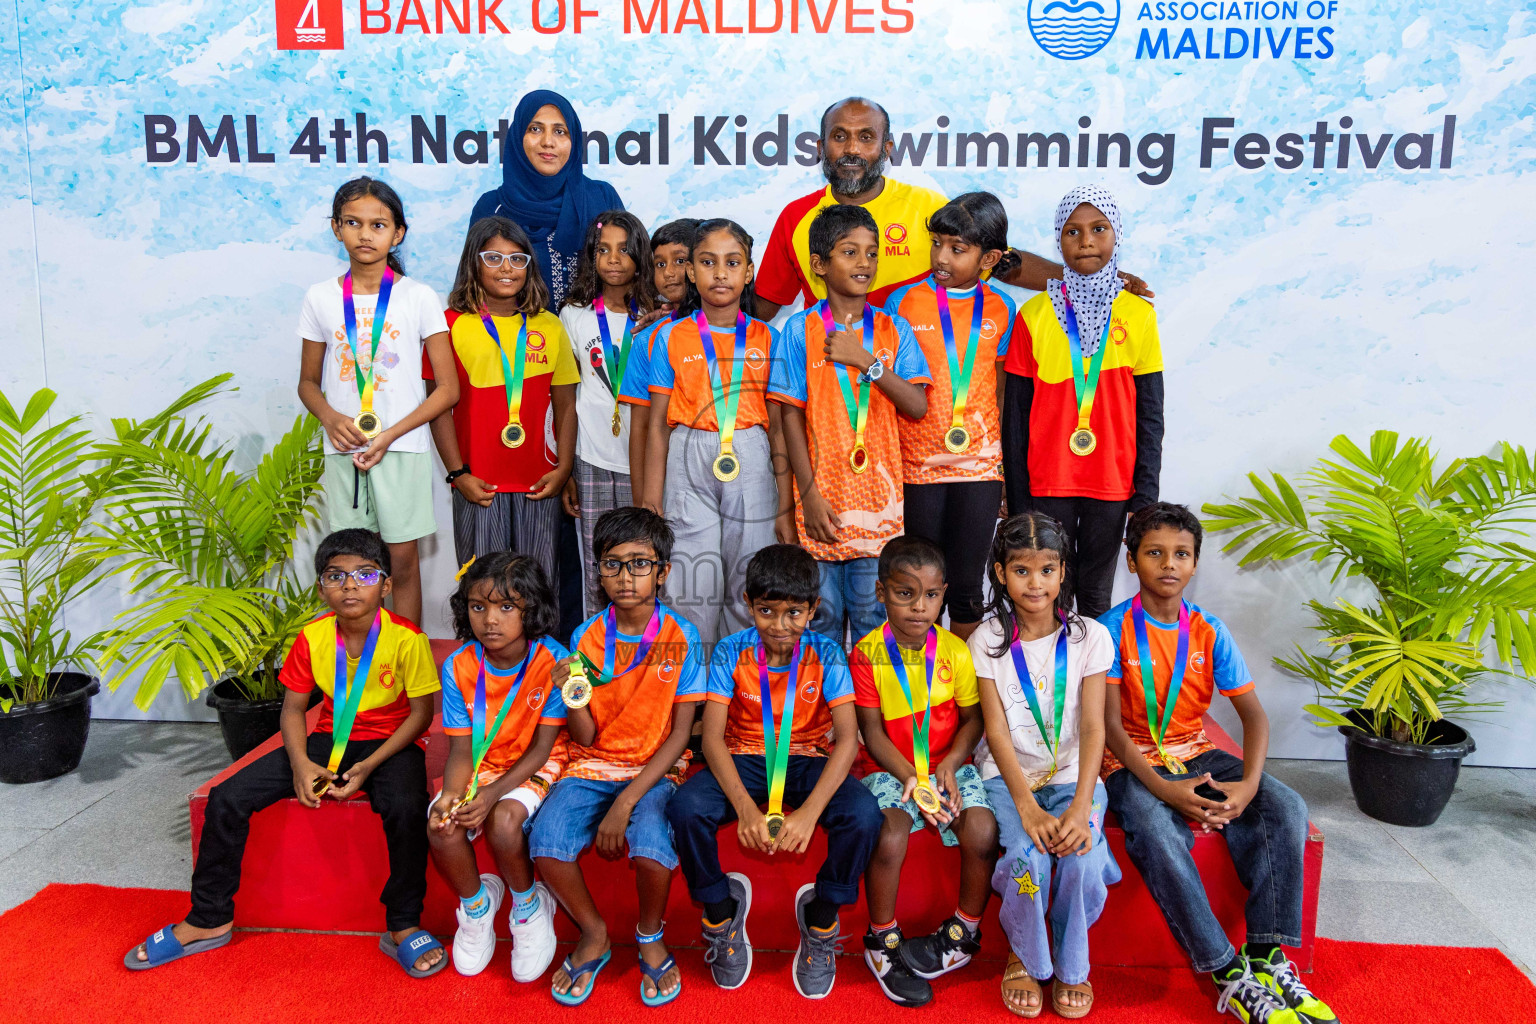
(309, 24)
(1073, 29)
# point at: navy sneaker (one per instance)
(730, 953)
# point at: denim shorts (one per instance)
(887, 793)
(567, 822)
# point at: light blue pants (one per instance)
(848, 599)
(1072, 887)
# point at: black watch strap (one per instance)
(456, 473)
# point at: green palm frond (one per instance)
(1443, 549)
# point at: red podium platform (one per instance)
(322, 870)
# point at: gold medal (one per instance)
(513, 435)
(927, 798)
(775, 822)
(1082, 441)
(1035, 787)
(368, 423)
(617, 425)
(577, 691)
(957, 439)
(322, 784)
(859, 458)
(1172, 763)
(727, 467)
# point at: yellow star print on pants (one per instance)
(1027, 886)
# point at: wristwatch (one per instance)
(455, 474)
(875, 372)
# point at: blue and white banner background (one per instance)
(1333, 200)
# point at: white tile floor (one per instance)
(1468, 880)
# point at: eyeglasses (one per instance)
(333, 578)
(635, 566)
(494, 260)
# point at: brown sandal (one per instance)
(1017, 979)
(1065, 1009)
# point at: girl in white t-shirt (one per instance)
(1040, 670)
(613, 288)
(360, 375)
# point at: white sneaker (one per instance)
(533, 941)
(475, 941)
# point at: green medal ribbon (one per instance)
(960, 376)
(1051, 736)
(726, 396)
(858, 408)
(1157, 724)
(1085, 372)
(777, 749)
(347, 690)
(920, 733)
(511, 370)
(481, 741)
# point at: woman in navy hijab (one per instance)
(543, 188)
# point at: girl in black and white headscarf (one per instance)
(1091, 294)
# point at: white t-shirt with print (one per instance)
(1089, 652)
(415, 313)
(595, 443)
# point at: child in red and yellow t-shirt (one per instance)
(842, 390)
(510, 442)
(952, 456)
(1083, 412)
(501, 714)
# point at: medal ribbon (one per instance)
(349, 317)
(616, 361)
(347, 690)
(777, 750)
(920, 751)
(1052, 736)
(512, 370)
(611, 648)
(727, 397)
(1157, 724)
(481, 740)
(960, 378)
(1085, 373)
(858, 408)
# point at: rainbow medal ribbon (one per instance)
(367, 421)
(616, 361)
(481, 736)
(957, 438)
(346, 696)
(577, 691)
(776, 738)
(1157, 723)
(727, 397)
(925, 795)
(512, 435)
(858, 408)
(1085, 380)
(1052, 735)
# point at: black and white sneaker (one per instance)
(899, 984)
(947, 949)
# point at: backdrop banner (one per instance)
(1332, 200)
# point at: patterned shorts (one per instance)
(887, 793)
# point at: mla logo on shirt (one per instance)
(309, 25)
(1118, 333)
(387, 678)
(896, 237)
(1073, 29)
(945, 672)
(535, 341)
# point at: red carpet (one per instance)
(67, 944)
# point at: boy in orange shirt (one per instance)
(628, 751)
(841, 388)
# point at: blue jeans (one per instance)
(1266, 842)
(848, 599)
(567, 822)
(1026, 878)
(852, 821)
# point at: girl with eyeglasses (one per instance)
(363, 335)
(510, 442)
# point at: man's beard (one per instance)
(841, 185)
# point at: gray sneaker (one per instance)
(730, 951)
(816, 959)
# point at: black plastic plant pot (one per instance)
(45, 739)
(1404, 783)
(246, 724)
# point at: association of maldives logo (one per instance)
(1073, 29)
(309, 24)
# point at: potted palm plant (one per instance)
(53, 482)
(1444, 552)
(208, 552)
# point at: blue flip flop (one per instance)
(408, 952)
(574, 972)
(656, 974)
(163, 947)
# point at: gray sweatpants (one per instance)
(719, 526)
